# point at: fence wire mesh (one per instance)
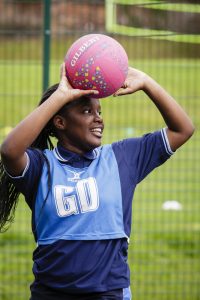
(161, 38)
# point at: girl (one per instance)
(80, 192)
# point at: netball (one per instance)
(97, 61)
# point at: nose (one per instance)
(98, 118)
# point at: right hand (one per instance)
(66, 90)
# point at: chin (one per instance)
(95, 145)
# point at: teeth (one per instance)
(97, 130)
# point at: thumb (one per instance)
(123, 91)
(79, 93)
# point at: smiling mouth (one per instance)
(97, 132)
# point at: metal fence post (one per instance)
(46, 42)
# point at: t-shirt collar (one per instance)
(65, 155)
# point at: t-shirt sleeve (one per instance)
(142, 155)
(27, 182)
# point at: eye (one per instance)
(87, 111)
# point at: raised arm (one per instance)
(22, 136)
(179, 125)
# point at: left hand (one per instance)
(134, 82)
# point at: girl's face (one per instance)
(82, 126)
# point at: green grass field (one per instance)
(164, 250)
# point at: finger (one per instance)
(63, 70)
(78, 93)
(122, 92)
(124, 86)
(68, 83)
(63, 74)
(90, 92)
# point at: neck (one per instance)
(73, 148)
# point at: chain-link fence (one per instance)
(161, 38)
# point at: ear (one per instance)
(59, 122)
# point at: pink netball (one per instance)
(96, 61)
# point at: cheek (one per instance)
(77, 130)
(78, 125)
